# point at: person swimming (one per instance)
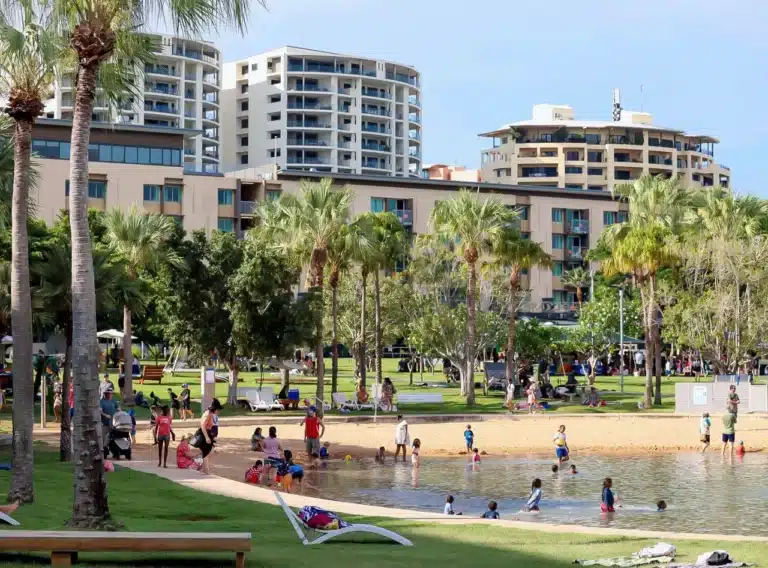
(661, 506)
(572, 470)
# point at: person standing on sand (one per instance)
(313, 431)
(402, 438)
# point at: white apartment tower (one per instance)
(180, 90)
(313, 110)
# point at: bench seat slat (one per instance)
(110, 541)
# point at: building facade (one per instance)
(132, 165)
(565, 222)
(555, 150)
(447, 172)
(318, 111)
(181, 89)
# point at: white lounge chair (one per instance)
(258, 399)
(301, 529)
(341, 401)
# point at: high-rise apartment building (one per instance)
(318, 111)
(180, 90)
(553, 149)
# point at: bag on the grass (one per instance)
(321, 520)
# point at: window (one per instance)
(151, 193)
(598, 187)
(243, 123)
(557, 215)
(504, 139)
(525, 236)
(572, 155)
(274, 98)
(608, 218)
(244, 105)
(592, 138)
(696, 177)
(254, 66)
(243, 140)
(243, 90)
(523, 211)
(593, 156)
(243, 69)
(244, 159)
(573, 169)
(557, 241)
(97, 189)
(273, 194)
(557, 268)
(226, 225)
(110, 153)
(594, 171)
(377, 204)
(172, 193)
(226, 197)
(66, 188)
(573, 186)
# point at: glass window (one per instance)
(131, 154)
(594, 171)
(93, 152)
(557, 268)
(557, 215)
(592, 138)
(97, 189)
(156, 156)
(151, 193)
(118, 154)
(573, 169)
(377, 204)
(143, 155)
(273, 194)
(226, 225)
(166, 157)
(244, 159)
(557, 241)
(64, 150)
(621, 217)
(105, 153)
(573, 186)
(523, 211)
(38, 146)
(226, 197)
(608, 218)
(594, 156)
(66, 188)
(172, 193)
(572, 155)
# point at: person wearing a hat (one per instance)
(186, 402)
(704, 425)
(106, 385)
(313, 431)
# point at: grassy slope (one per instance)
(144, 502)
(454, 402)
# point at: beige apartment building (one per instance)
(565, 222)
(133, 165)
(553, 149)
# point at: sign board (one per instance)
(210, 376)
(699, 396)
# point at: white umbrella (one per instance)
(112, 334)
(283, 365)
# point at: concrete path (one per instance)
(229, 488)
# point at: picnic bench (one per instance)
(152, 373)
(420, 398)
(65, 545)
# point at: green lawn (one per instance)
(143, 502)
(454, 402)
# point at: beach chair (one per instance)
(341, 402)
(302, 529)
(268, 400)
(258, 399)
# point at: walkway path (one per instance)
(238, 490)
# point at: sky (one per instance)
(483, 64)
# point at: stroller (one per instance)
(119, 441)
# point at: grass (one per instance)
(454, 403)
(144, 502)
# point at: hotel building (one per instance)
(318, 111)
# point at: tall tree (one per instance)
(28, 60)
(513, 255)
(473, 224)
(106, 39)
(578, 279)
(140, 240)
(308, 223)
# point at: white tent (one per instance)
(113, 334)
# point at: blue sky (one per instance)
(485, 63)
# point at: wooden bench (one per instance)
(152, 373)
(65, 545)
(420, 398)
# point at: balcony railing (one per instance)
(343, 144)
(312, 161)
(414, 118)
(414, 100)
(375, 147)
(345, 91)
(300, 142)
(374, 166)
(189, 95)
(659, 160)
(306, 124)
(160, 71)
(375, 128)
(405, 216)
(211, 154)
(343, 126)
(189, 151)
(375, 111)
(162, 90)
(159, 108)
(247, 207)
(344, 108)
(211, 98)
(414, 135)
(576, 253)
(376, 93)
(346, 163)
(309, 106)
(403, 78)
(578, 226)
(309, 88)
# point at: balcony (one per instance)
(160, 70)
(300, 142)
(414, 100)
(211, 98)
(163, 90)
(211, 154)
(413, 135)
(414, 118)
(578, 227)
(309, 161)
(575, 253)
(376, 94)
(624, 176)
(189, 151)
(345, 163)
(344, 108)
(375, 111)
(247, 207)
(345, 91)
(626, 140)
(375, 147)
(194, 54)
(660, 160)
(374, 166)
(309, 106)
(402, 78)
(540, 172)
(405, 216)
(159, 107)
(306, 124)
(309, 88)
(189, 95)
(376, 129)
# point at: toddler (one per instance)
(380, 455)
(415, 452)
(257, 441)
(324, 455)
(253, 475)
(491, 513)
(572, 470)
(476, 456)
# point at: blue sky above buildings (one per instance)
(701, 63)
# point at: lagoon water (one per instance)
(703, 493)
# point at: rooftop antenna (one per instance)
(616, 105)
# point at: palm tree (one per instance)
(514, 254)
(108, 45)
(140, 240)
(473, 224)
(389, 240)
(577, 278)
(658, 214)
(28, 59)
(309, 223)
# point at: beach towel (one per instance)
(625, 561)
(321, 520)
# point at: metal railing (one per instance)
(312, 161)
(160, 71)
(298, 142)
(375, 111)
(309, 106)
(578, 226)
(309, 88)
(162, 90)
(306, 124)
(376, 94)
(247, 207)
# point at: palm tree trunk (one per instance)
(285, 380)
(471, 328)
(510, 365)
(22, 487)
(126, 394)
(648, 397)
(316, 267)
(65, 437)
(656, 323)
(377, 309)
(362, 352)
(334, 335)
(90, 507)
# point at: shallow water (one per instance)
(703, 493)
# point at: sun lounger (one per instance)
(258, 399)
(302, 529)
(341, 401)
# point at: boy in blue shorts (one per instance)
(469, 438)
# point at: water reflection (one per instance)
(703, 493)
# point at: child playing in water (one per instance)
(740, 451)
(380, 455)
(555, 468)
(535, 497)
(572, 470)
(324, 455)
(491, 513)
(415, 452)
(606, 505)
(476, 456)
(561, 445)
(532, 398)
(704, 425)
(469, 438)
(661, 506)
